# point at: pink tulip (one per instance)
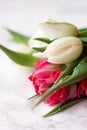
(82, 88)
(43, 78)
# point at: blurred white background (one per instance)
(15, 111)
(23, 15)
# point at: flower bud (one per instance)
(63, 50)
(43, 78)
(38, 54)
(57, 30)
(36, 43)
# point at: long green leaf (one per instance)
(53, 110)
(42, 39)
(68, 70)
(32, 97)
(79, 73)
(41, 49)
(83, 32)
(83, 29)
(20, 58)
(17, 37)
(64, 106)
(84, 40)
(71, 67)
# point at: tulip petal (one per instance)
(63, 50)
(57, 30)
(70, 55)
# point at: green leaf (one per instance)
(53, 110)
(20, 58)
(79, 73)
(17, 37)
(83, 29)
(46, 40)
(41, 49)
(71, 67)
(83, 32)
(64, 106)
(32, 97)
(67, 71)
(84, 40)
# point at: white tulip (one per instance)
(56, 30)
(36, 43)
(38, 54)
(63, 50)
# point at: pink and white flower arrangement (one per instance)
(59, 57)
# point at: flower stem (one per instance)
(64, 106)
(32, 97)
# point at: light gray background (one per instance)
(23, 15)
(15, 110)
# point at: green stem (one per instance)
(64, 106)
(32, 97)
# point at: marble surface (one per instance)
(16, 111)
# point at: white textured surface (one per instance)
(16, 112)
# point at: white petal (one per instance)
(64, 50)
(37, 43)
(61, 46)
(67, 57)
(57, 30)
(38, 54)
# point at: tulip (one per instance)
(82, 87)
(56, 30)
(63, 50)
(46, 74)
(36, 43)
(43, 78)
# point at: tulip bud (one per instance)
(63, 50)
(57, 30)
(38, 54)
(36, 43)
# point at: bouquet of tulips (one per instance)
(59, 57)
